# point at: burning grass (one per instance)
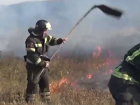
(72, 82)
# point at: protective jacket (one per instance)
(129, 69)
(36, 46)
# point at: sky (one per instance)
(95, 29)
(9, 2)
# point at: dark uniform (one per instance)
(124, 83)
(36, 46)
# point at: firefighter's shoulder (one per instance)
(30, 39)
(30, 42)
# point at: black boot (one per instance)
(29, 98)
(45, 99)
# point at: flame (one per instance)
(107, 62)
(55, 86)
(89, 76)
(98, 53)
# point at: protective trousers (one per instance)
(123, 92)
(33, 82)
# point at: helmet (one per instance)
(41, 25)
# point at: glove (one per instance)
(47, 64)
(45, 58)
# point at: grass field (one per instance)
(72, 81)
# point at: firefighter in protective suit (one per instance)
(124, 84)
(37, 44)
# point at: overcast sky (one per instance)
(9, 2)
(96, 29)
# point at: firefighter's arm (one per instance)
(55, 41)
(32, 55)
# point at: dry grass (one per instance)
(13, 83)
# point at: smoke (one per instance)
(96, 29)
(111, 34)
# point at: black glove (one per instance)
(45, 58)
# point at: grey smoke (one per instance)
(96, 29)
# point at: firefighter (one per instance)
(37, 44)
(124, 84)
